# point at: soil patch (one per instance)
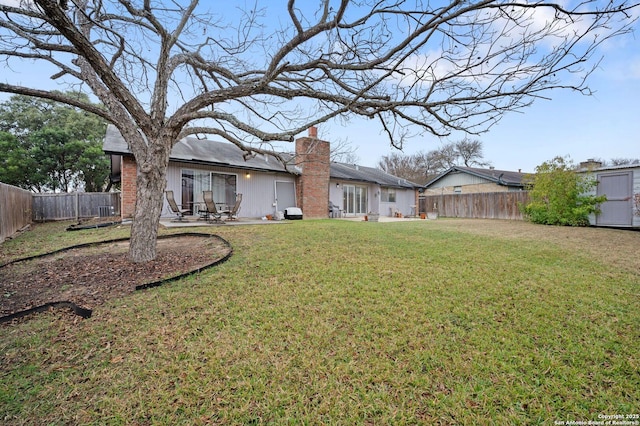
(89, 275)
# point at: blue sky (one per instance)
(605, 125)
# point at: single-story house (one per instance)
(308, 179)
(359, 190)
(471, 180)
(621, 186)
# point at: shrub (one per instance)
(559, 195)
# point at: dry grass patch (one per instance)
(615, 247)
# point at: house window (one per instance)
(457, 190)
(388, 195)
(194, 182)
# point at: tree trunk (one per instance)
(151, 182)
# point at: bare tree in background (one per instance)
(470, 153)
(444, 157)
(168, 69)
(622, 162)
(422, 167)
(342, 151)
(409, 167)
(614, 162)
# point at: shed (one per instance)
(621, 186)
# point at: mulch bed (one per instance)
(89, 275)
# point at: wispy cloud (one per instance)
(627, 69)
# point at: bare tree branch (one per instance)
(58, 97)
(165, 69)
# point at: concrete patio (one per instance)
(193, 221)
(190, 221)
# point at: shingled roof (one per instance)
(353, 172)
(194, 150)
(500, 177)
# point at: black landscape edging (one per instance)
(78, 310)
(177, 277)
(79, 227)
(86, 313)
(83, 245)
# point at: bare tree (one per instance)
(422, 167)
(167, 69)
(470, 152)
(410, 167)
(622, 162)
(342, 151)
(444, 157)
(613, 162)
(432, 161)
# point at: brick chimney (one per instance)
(128, 178)
(313, 156)
(590, 164)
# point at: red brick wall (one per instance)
(312, 156)
(128, 184)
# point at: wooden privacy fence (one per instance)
(75, 205)
(15, 210)
(484, 205)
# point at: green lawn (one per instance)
(337, 322)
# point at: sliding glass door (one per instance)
(194, 182)
(354, 199)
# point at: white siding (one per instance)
(458, 179)
(636, 198)
(258, 189)
(405, 198)
(336, 194)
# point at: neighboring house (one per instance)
(621, 186)
(268, 186)
(471, 180)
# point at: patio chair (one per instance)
(179, 212)
(233, 213)
(334, 210)
(211, 213)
